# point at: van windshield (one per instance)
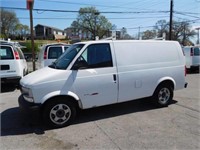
(65, 59)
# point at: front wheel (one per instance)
(163, 95)
(59, 113)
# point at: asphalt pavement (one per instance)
(132, 125)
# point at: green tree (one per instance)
(90, 20)
(8, 22)
(162, 26)
(28, 46)
(21, 30)
(149, 34)
(181, 31)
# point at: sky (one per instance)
(139, 15)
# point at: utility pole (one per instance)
(198, 35)
(139, 33)
(184, 35)
(171, 19)
(95, 24)
(30, 7)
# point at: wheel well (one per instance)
(167, 82)
(66, 97)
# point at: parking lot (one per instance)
(132, 125)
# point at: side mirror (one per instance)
(80, 65)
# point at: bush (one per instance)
(2, 36)
(29, 48)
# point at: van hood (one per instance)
(44, 75)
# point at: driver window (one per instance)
(95, 56)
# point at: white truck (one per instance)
(192, 56)
(13, 65)
(96, 73)
(50, 52)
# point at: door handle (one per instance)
(114, 77)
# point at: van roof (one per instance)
(126, 41)
(43, 47)
(50, 44)
(53, 44)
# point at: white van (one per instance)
(192, 56)
(97, 73)
(13, 65)
(50, 52)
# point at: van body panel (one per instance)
(48, 83)
(142, 65)
(167, 79)
(13, 69)
(59, 93)
(95, 87)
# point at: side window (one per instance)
(6, 53)
(95, 56)
(196, 51)
(54, 52)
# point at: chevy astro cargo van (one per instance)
(96, 73)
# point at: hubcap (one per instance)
(164, 95)
(60, 114)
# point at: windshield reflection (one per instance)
(65, 59)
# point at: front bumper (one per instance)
(28, 106)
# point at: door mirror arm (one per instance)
(79, 65)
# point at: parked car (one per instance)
(96, 73)
(49, 53)
(12, 62)
(192, 56)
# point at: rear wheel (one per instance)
(59, 113)
(163, 95)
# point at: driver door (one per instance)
(95, 76)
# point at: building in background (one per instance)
(47, 32)
(74, 33)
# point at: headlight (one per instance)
(27, 94)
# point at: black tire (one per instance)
(59, 113)
(163, 95)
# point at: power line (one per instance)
(87, 4)
(90, 4)
(141, 27)
(184, 14)
(75, 11)
(136, 28)
(125, 18)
